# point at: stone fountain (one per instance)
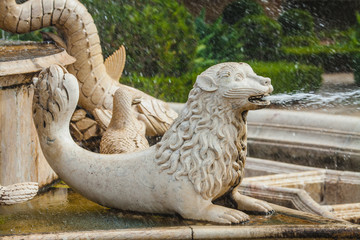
(67, 158)
(157, 180)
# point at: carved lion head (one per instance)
(238, 83)
(207, 142)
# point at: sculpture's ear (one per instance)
(206, 83)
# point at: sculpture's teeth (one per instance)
(259, 100)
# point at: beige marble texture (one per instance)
(330, 193)
(124, 133)
(200, 158)
(23, 168)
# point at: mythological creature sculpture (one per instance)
(97, 80)
(200, 158)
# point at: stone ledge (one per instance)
(305, 138)
(330, 193)
(210, 232)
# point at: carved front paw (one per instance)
(250, 204)
(222, 215)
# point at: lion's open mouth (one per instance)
(259, 99)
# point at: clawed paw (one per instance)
(222, 215)
(246, 203)
(259, 206)
(234, 217)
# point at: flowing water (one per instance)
(336, 99)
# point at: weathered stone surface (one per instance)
(24, 58)
(78, 115)
(305, 138)
(349, 212)
(64, 207)
(75, 132)
(91, 132)
(21, 160)
(85, 123)
(314, 190)
(17, 193)
(124, 133)
(210, 133)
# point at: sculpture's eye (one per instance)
(239, 77)
(223, 74)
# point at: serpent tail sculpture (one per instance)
(98, 80)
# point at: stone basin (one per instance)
(21, 159)
(62, 213)
(32, 55)
(326, 192)
(305, 138)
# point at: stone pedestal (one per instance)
(21, 158)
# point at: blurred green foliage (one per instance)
(297, 22)
(170, 89)
(299, 41)
(357, 69)
(355, 34)
(336, 36)
(240, 9)
(289, 77)
(218, 42)
(159, 36)
(333, 58)
(261, 37)
(355, 38)
(32, 36)
(285, 76)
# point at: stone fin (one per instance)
(158, 116)
(102, 117)
(115, 63)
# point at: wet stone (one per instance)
(63, 210)
(21, 51)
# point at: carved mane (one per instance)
(207, 143)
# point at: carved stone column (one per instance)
(21, 158)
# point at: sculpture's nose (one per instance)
(271, 89)
(266, 82)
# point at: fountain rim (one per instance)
(325, 231)
(35, 64)
(323, 228)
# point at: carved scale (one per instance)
(17, 193)
(98, 80)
